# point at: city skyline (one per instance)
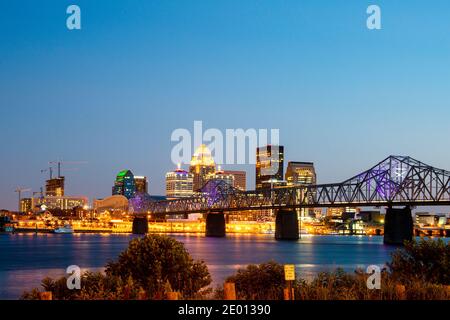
(343, 97)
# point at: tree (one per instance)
(154, 260)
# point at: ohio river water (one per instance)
(25, 259)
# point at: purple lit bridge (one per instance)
(395, 181)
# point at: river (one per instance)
(25, 259)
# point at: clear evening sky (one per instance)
(112, 93)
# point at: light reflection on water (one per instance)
(25, 259)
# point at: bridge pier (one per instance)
(140, 225)
(215, 224)
(398, 226)
(286, 225)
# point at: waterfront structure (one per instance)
(111, 204)
(202, 165)
(124, 184)
(222, 176)
(179, 184)
(26, 205)
(55, 187)
(240, 179)
(141, 184)
(269, 166)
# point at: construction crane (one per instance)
(19, 190)
(59, 163)
(49, 170)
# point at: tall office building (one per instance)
(300, 173)
(124, 184)
(223, 176)
(179, 184)
(141, 184)
(202, 165)
(55, 187)
(240, 179)
(269, 166)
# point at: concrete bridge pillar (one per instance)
(286, 225)
(140, 225)
(398, 226)
(215, 224)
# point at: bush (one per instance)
(260, 282)
(423, 261)
(148, 268)
(155, 260)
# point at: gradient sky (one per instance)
(112, 93)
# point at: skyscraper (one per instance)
(269, 166)
(240, 179)
(223, 176)
(179, 184)
(124, 184)
(141, 184)
(300, 173)
(202, 165)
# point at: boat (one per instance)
(66, 229)
(5, 225)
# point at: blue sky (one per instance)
(112, 93)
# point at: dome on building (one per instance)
(202, 157)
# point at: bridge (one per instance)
(395, 181)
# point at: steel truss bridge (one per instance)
(395, 181)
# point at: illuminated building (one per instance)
(124, 184)
(240, 179)
(141, 184)
(62, 203)
(202, 165)
(55, 187)
(300, 173)
(269, 166)
(26, 205)
(179, 184)
(111, 204)
(221, 175)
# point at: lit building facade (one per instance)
(141, 184)
(62, 203)
(202, 165)
(269, 166)
(111, 204)
(300, 173)
(124, 184)
(55, 187)
(26, 205)
(240, 179)
(179, 184)
(221, 175)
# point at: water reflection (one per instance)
(25, 259)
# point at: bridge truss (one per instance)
(397, 180)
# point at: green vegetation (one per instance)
(155, 265)
(148, 269)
